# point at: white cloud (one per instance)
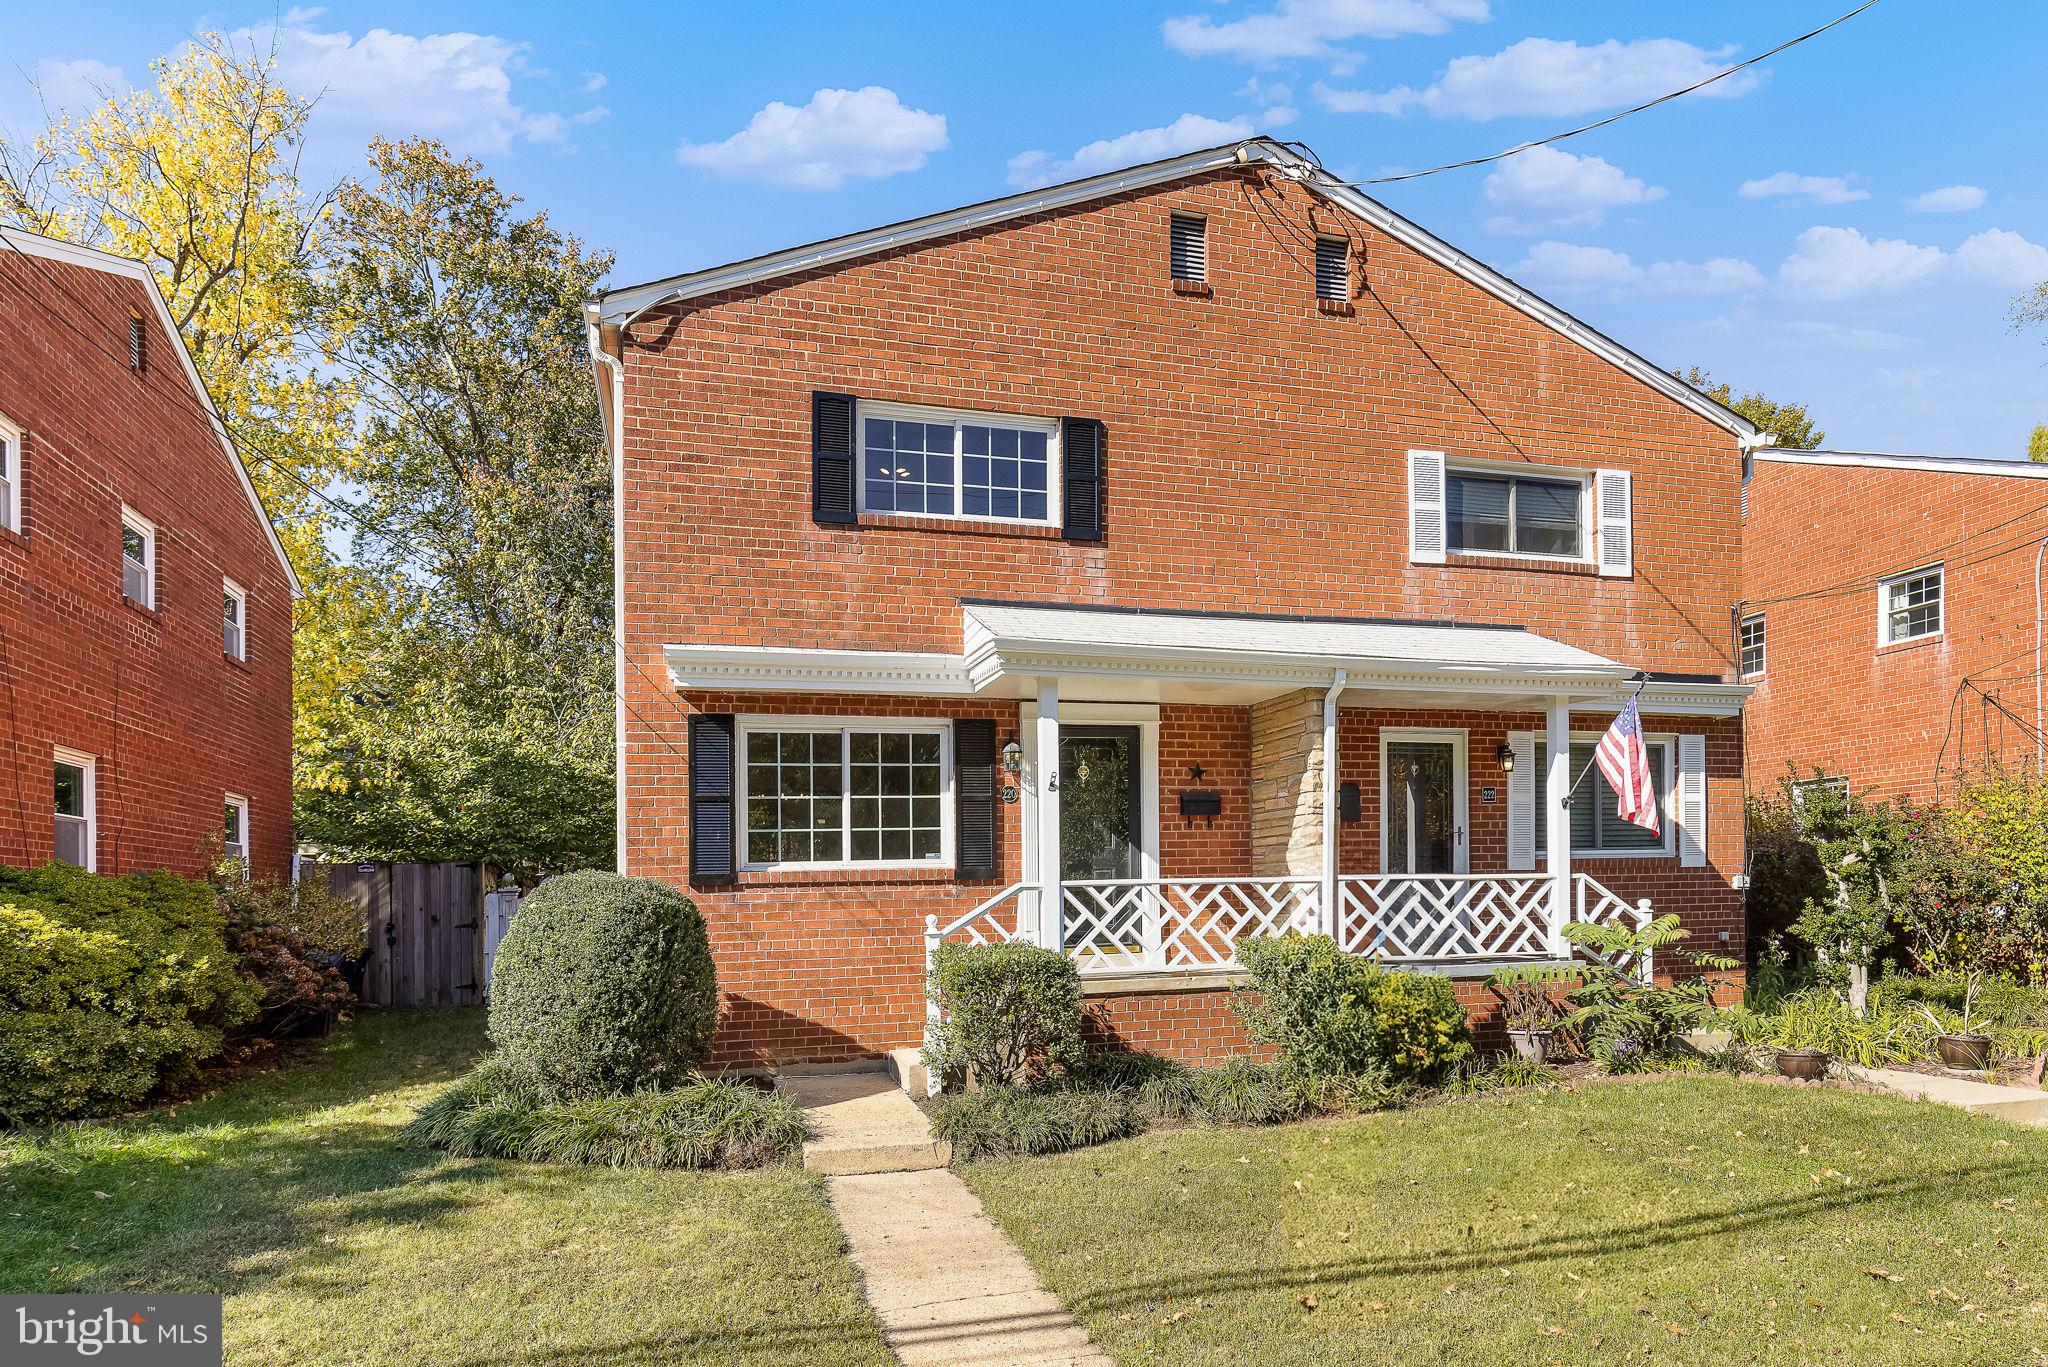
(1803, 333)
(1297, 29)
(594, 82)
(1949, 199)
(2003, 258)
(458, 87)
(1838, 264)
(1809, 189)
(77, 86)
(1544, 189)
(1571, 266)
(839, 136)
(1549, 76)
(1188, 133)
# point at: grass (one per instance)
(337, 1243)
(1686, 1219)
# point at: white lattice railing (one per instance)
(1593, 903)
(1005, 916)
(1168, 924)
(1451, 917)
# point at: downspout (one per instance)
(605, 343)
(1329, 899)
(2040, 756)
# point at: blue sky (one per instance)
(1844, 225)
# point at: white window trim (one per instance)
(1054, 457)
(943, 729)
(1765, 644)
(230, 589)
(61, 755)
(134, 521)
(241, 805)
(10, 470)
(1884, 609)
(1667, 811)
(1459, 739)
(1588, 509)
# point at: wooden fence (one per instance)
(424, 926)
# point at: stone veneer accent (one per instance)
(1287, 784)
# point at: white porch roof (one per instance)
(1168, 655)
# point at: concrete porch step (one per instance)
(863, 1123)
(2020, 1105)
(907, 1067)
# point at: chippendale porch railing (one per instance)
(1165, 925)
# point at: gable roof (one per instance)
(1933, 465)
(91, 258)
(624, 304)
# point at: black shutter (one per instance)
(712, 856)
(1082, 476)
(974, 797)
(832, 457)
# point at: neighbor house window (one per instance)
(1333, 268)
(1597, 827)
(1909, 606)
(234, 610)
(960, 465)
(854, 794)
(1751, 643)
(10, 476)
(138, 558)
(1501, 514)
(235, 829)
(1188, 252)
(75, 800)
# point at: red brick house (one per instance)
(1890, 622)
(1192, 551)
(145, 601)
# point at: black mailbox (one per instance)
(1347, 801)
(1201, 802)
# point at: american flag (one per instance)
(1625, 761)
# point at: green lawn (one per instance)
(1694, 1219)
(337, 1243)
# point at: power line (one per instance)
(1611, 118)
(1858, 583)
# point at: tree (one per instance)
(2037, 442)
(1787, 423)
(455, 691)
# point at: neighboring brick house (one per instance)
(145, 602)
(1890, 617)
(1191, 551)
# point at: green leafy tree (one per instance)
(1863, 852)
(2037, 442)
(1786, 422)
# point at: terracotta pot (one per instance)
(1807, 1065)
(1532, 1045)
(1964, 1053)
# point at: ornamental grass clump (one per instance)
(1048, 1117)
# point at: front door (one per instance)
(1099, 809)
(1421, 806)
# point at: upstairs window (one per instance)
(234, 608)
(1188, 253)
(10, 476)
(1333, 268)
(1499, 514)
(1751, 644)
(1909, 606)
(74, 803)
(935, 463)
(138, 558)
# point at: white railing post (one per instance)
(1644, 918)
(1051, 905)
(931, 1003)
(1557, 795)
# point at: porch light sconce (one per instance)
(1013, 756)
(1506, 755)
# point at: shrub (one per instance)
(1047, 1118)
(1630, 1025)
(1332, 1014)
(501, 1111)
(1008, 1012)
(109, 988)
(604, 984)
(286, 938)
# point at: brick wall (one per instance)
(173, 723)
(1902, 718)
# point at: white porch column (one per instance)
(1329, 925)
(1557, 851)
(1052, 919)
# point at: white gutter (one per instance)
(612, 415)
(1330, 801)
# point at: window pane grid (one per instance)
(1913, 607)
(959, 468)
(1752, 645)
(844, 796)
(1509, 515)
(1597, 826)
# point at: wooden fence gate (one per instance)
(423, 924)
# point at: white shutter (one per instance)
(1617, 514)
(1426, 507)
(1692, 801)
(1522, 801)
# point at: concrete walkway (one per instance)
(2021, 1105)
(947, 1285)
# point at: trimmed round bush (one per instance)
(1333, 1014)
(604, 984)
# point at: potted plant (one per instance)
(1966, 1049)
(1528, 1009)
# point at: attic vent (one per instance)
(1333, 268)
(138, 343)
(1189, 255)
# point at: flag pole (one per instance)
(1642, 677)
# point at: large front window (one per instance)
(936, 464)
(1597, 826)
(845, 795)
(1500, 514)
